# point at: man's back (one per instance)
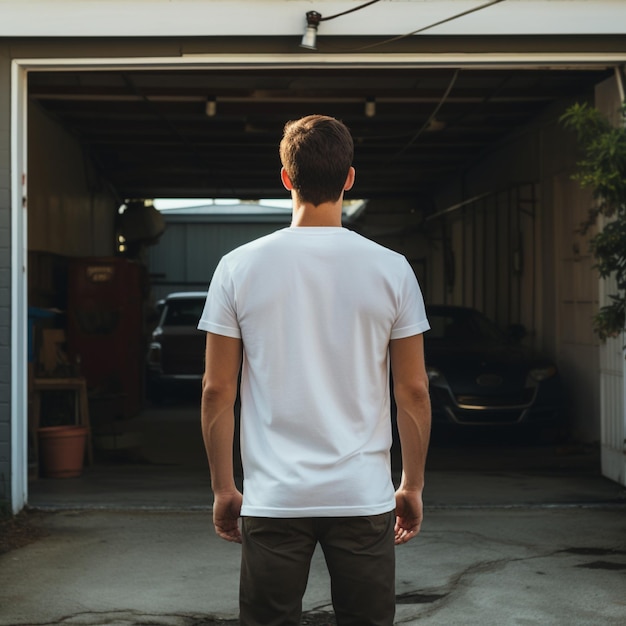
(315, 309)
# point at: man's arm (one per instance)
(219, 392)
(410, 384)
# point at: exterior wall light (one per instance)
(313, 19)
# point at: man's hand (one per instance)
(409, 514)
(226, 513)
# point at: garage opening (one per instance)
(459, 167)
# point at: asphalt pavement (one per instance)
(513, 534)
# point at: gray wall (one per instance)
(189, 251)
(5, 278)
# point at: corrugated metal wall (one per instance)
(188, 252)
(485, 256)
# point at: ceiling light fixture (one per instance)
(370, 107)
(211, 107)
(313, 19)
(434, 125)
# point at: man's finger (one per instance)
(405, 530)
(230, 534)
(402, 536)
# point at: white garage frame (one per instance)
(19, 180)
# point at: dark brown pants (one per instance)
(276, 558)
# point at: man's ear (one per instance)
(350, 179)
(284, 177)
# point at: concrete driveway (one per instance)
(512, 535)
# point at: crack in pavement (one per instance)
(314, 617)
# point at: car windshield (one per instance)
(462, 325)
(183, 312)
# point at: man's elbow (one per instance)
(217, 392)
(412, 393)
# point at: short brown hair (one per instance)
(317, 152)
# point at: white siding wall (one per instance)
(171, 18)
(612, 366)
(6, 375)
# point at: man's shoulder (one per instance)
(372, 247)
(251, 246)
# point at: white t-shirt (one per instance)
(315, 308)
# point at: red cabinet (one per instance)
(106, 329)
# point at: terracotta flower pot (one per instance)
(62, 451)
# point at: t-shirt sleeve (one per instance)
(411, 319)
(219, 315)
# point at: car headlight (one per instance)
(154, 354)
(539, 374)
(434, 375)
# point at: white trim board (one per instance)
(19, 289)
(478, 60)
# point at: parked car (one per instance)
(176, 352)
(483, 377)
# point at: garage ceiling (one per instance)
(149, 134)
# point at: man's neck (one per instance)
(327, 214)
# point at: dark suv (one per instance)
(176, 353)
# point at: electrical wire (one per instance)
(361, 6)
(431, 117)
(424, 28)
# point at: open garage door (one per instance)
(212, 132)
(209, 128)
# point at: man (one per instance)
(315, 313)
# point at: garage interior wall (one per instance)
(5, 276)
(576, 292)
(71, 210)
(484, 253)
(513, 253)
